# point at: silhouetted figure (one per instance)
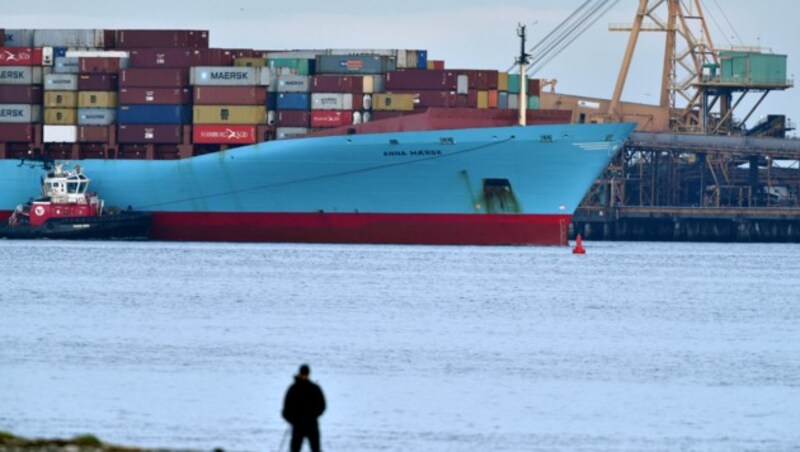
(303, 404)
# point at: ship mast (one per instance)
(523, 60)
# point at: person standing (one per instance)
(303, 404)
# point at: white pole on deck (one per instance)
(523, 60)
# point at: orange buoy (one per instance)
(578, 246)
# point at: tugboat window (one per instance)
(72, 187)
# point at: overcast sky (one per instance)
(464, 33)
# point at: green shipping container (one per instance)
(513, 84)
(753, 68)
(296, 66)
(533, 102)
(230, 114)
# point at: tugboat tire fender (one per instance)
(39, 210)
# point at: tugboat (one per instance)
(67, 210)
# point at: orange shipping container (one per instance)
(492, 101)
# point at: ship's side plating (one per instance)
(507, 185)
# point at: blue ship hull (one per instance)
(504, 185)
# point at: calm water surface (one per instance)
(635, 346)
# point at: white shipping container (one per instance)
(271, 117)
(265, 76)
(462, 84)
(292, 84)
(20, 75)
(366, 102)
(513, 101)
(224, 76)
(366, 117)
(48, 56)
(357, 117)
(296, 54)
(61, 82)
(18, 38)
(331, 101)
(83, 53)
(291, 132)
(60, 134)
(20, 113)
(69, 38)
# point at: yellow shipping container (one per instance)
(393, 102)
(250, 62)
(61, 99)
(483, 99)
(230, 114)
(431, 65)
(502, 81)
(60, 116)
(97, 99)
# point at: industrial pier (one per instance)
(693, 171)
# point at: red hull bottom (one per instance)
(427, 229)
(421, 229)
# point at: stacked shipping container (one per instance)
(134, 91)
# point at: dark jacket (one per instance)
(304, 403)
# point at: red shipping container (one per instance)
(441, 99)
(154, 78)
(212, 57)
(98, 82)
(21, 94)
(331, 118)
(161, 58)
(293, 118)
(93, 134)
(358, 101)
(421, 80)
(243, 53)
(150, 133)
(133, 39)
(97, 65)
(224, 134)
(16, 133)
(488, 80)
(337, 84)
(472, 99)
(534, 87)
(20, 56)
(437, 64)
(110, 39)
(155, 96)
(230, 95)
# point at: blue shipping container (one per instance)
(502, 100)
(66, 65)
(422, 59)
(293, 101)
(96, 116)
(272, 101)
(154, 114)
(59, 51)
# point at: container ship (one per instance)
(345, 146)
